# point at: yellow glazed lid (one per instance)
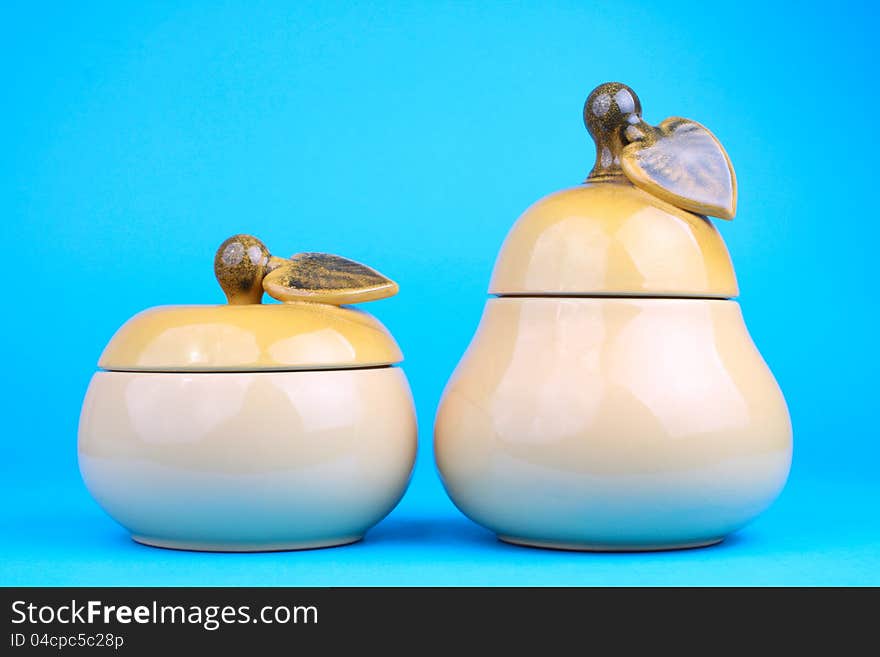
(637, 226)
(309, 330)
(251, 337)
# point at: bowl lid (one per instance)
(250, 337)
(637, 226)
(614, 239)
(310, 329)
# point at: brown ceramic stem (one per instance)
(613, 116)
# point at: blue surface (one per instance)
(410, 137)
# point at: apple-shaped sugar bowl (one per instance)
(246, 426)
(612, 398)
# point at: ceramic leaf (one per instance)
(327, 278)
(683, 163)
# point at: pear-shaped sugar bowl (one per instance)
(612, 398)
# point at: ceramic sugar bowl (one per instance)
(253, 427)
(612, 398)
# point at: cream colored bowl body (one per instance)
(248, 461)
(612, 423)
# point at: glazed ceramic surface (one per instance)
(248, 460)
(248, 426)
(679, 160)
(612, 398)
(245, 269)
(612, 423)
(249, 337)
(612, 239)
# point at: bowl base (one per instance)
(196, 546)
(608, 547)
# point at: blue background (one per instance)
(410, 136)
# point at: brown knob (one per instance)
(240, 265)
(613, 116)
